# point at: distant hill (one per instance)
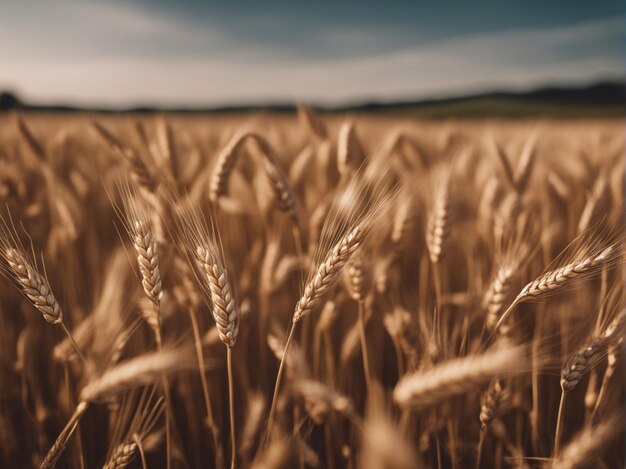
(601, 99)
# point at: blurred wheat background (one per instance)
(452, 292)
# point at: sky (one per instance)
(200, 53)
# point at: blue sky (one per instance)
(113, 53)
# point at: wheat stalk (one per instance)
(205, 250)
(325, 277)
(357, 278)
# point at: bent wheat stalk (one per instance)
(283, 194)
(227, 159)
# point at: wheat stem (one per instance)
(231, 406)
(205, 387)
(364, 354)
(74, 344)
(168, 404)
(279, 377)
(142, 455)
(481, 443)
(559, 423)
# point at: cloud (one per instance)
(213, 68)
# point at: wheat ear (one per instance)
(458, 376)
(350, 153)
(498, 293)
(524, 168)
(139, 170)
(224, 311)
(320, 400)
(63, 440)
(558, 279)
(35, 146)
(582, 361)
(401, 222)
(148, 261)
(312, 121)
(356, 277)
(488, 410)
(37, 289)
(579, 364)
(439, 224)
(122, 456)
(35, 286)
(596, 205)
(328, 272)
(142, 370)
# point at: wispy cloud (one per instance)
(122, 55)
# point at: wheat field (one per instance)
(265, 291)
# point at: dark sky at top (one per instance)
(203, 53)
